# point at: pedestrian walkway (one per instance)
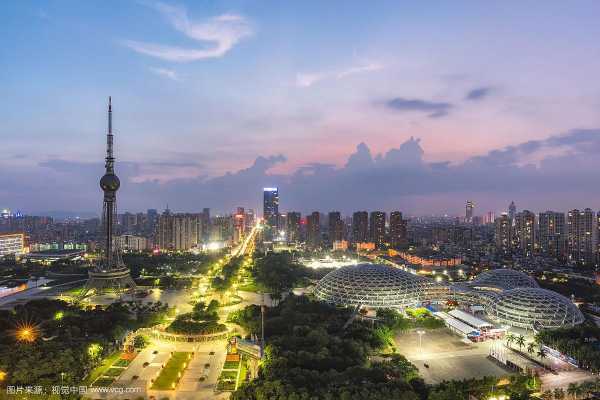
(190, 381)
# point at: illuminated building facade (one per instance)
(239, 225)
(360, 227)
(552, 234)
(271, 206)
(469, 210)
(336, 227)
(525, 237)
(12, 244)
(179, 231)
(582, 236)
(512, 212)
(503, 233)
(377, 227)
(398, 234)
(131, 243)
(293, 226)
(313, 229)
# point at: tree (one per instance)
(531, 348)
(542, 353)
(547, 395)
(573, 390)
(140, 341)
(520, 340)
(510, 337)
(559, 393)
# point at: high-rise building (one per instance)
(377, 227)
(206, 227)
(512, 213)
(489, 217)
(250, 219)
(313, 229)
(271, 206)
(131, 243)
(221, 228)
(582, 236)
(525, 232)
(398, 233)
(336, 227)
(12, 244)
(179, 231)
(151, 220)
(552, 234)
(239, 225)
(469, 210)
(360, 227)
(598, 243)
(503, 233)
(293, 226)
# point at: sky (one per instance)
(345, 105)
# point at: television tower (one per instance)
(110, 273)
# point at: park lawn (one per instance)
(227, 386)
(231, 365)
(122, 363)
(114, 371)
(243, 373)
(74, 291)
(168, 377)
(228, 375)
(252, 286)
(103, 382)
(101, 369)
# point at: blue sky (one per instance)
(202, 89)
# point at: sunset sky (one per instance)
(416, 106)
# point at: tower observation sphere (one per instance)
(110, 183)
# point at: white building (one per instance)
(12, 244)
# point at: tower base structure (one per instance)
(101, 281)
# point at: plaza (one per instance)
(447, 355)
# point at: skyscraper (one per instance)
(469, 209)
(525, 232)
(397, 229)
(503, 233)
(179, 231)
(489, 217)
(271, 206)
(512, 213)
(552, 234)
(582, 236)
(239, 224)
(206, 225)
(336, 227)
(360, 227)
(110, 272)
(377, 227)
(313, 229)
(293, 226)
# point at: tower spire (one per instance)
(110, 160)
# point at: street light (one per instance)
(421, 332)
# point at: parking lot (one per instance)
(442, 355)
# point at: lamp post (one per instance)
(421, 332)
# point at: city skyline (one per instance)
(385, 105)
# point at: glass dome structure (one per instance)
(374, 285)
(504, 279)
(533, 308)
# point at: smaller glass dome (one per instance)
(534, 308)
(505, 279)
